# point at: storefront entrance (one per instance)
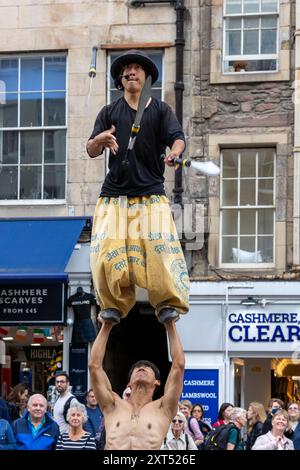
(259, 379)
(139, 336)
(33, 356)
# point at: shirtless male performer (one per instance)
(138, 423)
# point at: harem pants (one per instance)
(135, 242)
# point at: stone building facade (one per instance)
(240, 77)
(220, 109)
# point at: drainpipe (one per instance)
(179, 85)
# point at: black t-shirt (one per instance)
(144, 174)
(81, 305)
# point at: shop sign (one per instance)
(78, 369)
(202, 386)
(42, 354)
(32, 303)
(273, 329)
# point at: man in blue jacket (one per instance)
(36, 430)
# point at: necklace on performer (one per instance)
(135, 416)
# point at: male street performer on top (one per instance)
(134, 239)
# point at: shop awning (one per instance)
(37, 248)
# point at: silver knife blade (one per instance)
(144, 97)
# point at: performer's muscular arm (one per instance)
(101, 384)
(173, 387)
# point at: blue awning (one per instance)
(37, 248)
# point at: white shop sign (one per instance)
(272, 329)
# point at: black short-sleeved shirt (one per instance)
(144, 174)
(81, 305)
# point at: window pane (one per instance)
(265, 221)
(54, 109)
(269, 22)
(251, 6)
(233, 6)
(233, 23)
(248, 163)
(55, 73)
(156, 94)
(268, 5)
(250, 42)
(31, 109)
(248, 244)
(252, 65)
(265, 248)
(266, 162)
(30, 182)
(9, 182)
(228, 247)
(55, 147)
(8, 110)
(265, 192)
(54, 182)
(229, 222)
(268, 42)
(251, 23)
(247, 192)
(31, 74)
(9, 147)
(115, 95)
(8, 74)
(31, 147)
(229, 193)
(233, 43)
(247, 222)
(157, 59)
(230, 163)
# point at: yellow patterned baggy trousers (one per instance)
(135, 242)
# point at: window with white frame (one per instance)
(32, 127)
(247, 206)
(250, 35)
(157, 57)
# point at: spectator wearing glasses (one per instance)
(192, 426)
(176, 438)
(294, 424)
(64, 401)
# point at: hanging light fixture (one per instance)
(21, 333)
(249, 301)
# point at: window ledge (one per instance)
(33, 202)
(249, 266)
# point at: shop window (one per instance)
(250, 42)
(33, 127)
(157, 90)
(247, 207)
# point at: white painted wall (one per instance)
(257, 381)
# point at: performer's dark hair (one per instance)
(147, 364)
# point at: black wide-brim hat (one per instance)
(133, 57)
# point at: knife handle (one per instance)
(180, 161)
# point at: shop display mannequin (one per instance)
(83, 329)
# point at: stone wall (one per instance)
(245, 108)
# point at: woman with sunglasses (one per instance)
(176, 438)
